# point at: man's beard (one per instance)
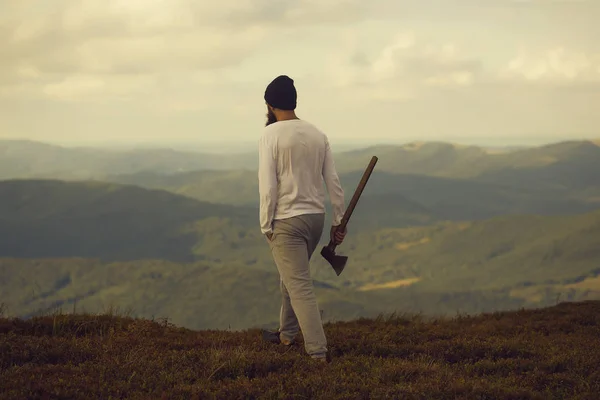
(271, 118)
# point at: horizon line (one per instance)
(356, 144)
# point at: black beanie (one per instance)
(281, 93)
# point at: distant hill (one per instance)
(451, 181)
(467, 199)
(429, 158)
(410, 198)
(236, 187)
(455, 161)
(496, 254)
(28, 159)
(108, 221)
(573, 166)
(200, 296)
(116, 222)
(100, 243)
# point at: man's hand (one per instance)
(337, 235)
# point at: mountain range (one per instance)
(207, 266)
(29, 159)
(440, 229)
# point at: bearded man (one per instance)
(295, 158)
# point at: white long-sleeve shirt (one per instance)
(295, 159)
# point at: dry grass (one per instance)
(536, 294)
(413, 146)
(533, 294)
(407, 245)
(540, 354)
(389, 285)
(592, 283)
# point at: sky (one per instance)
(165, 71)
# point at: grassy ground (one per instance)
(551, 353)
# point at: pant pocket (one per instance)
(270, 241)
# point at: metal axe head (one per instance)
(337, 262)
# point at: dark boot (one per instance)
(274, 337)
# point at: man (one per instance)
(294, 160)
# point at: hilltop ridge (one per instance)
(550, 353)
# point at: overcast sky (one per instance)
(384, 70)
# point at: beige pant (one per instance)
(292, 245)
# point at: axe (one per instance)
(328, 252)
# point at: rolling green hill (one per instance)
(207, 265)
(500, 253)
(401, 199)
(466, 199)
(107, 221)
(114, 222)
(199, 296)
(429, 158)
(28, 159)
(576, 175)
(236, 187)
(416, 183)
(456, 161)
(41, 219)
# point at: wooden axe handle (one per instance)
(357, 193)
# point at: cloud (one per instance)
(187, 67)
(106, 50)
(74, 50)
(118, 36)
(402, 67)
(283, 14)
(555, 66)
(411, 64)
